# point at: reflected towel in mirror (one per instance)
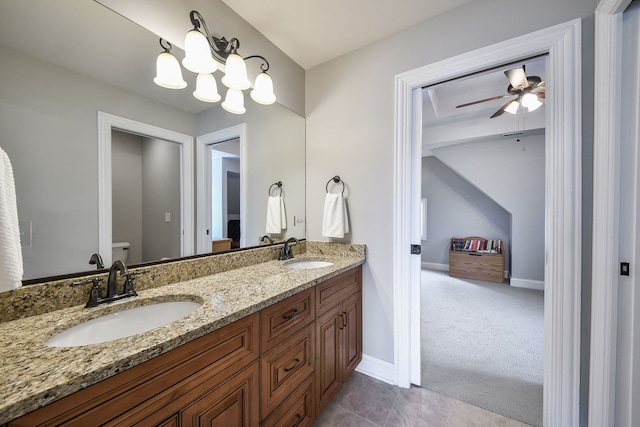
(334, 221)
(276, 215)
(10, 251)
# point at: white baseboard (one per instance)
(378, 369)
(529, 284)
(434, 266)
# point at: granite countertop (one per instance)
(34, 374)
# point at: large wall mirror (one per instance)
(82, 59)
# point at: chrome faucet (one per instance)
(286, 251)
(266, 237)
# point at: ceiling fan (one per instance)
(527, 90)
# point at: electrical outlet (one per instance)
(167, 217)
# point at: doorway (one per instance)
(563, 230)
(107, 123)
(234, 138)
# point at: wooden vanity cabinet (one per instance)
(162, 389)
(276, 367)
(338, 332)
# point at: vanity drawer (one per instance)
(285, 318)
(337, 289)
(284, 368)
(297, 410)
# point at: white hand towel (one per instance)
(334, 221)
(10, 251)
(276, 215)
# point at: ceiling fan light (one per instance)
(168, 73)
(531, 102)
(235, 76)
(513, 107)
(206, 88)
(197, 55)
(234, 102)
(262, 92)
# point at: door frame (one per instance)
(203, 145)
(108, 122)
(563, 205)
(606, 212)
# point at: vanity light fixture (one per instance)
(203, 52)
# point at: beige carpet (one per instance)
(483, 343)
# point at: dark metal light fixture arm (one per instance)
(220, 47)
(264, 66)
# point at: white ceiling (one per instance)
(313, 32)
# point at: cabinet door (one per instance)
(328, 355)
(232, 404)
(352, 331)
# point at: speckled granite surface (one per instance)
(34, 374)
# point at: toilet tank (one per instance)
(120, 250)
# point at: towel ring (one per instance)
(335, 179)
(277, 184)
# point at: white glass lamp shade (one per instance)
(234, 102)
(513, 107)
(235, 75)
(531, 101)
(197, 55)
(262, 91)
(168, 73)
(206, 88)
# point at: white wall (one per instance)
(48, 127)
(512, 174)
(350, 128)
(456, 208)
(627, 396)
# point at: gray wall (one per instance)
(512, 174)
(146, 186)
(456, 208)
(275, 152)
(161, 162)
(48, 127)
(350, 132)
(126, 192)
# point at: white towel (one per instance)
(334, 221)
(276, 215)
(10, 250)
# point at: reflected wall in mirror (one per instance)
(49, 105)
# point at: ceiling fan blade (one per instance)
(482, 100)
(517, 77)
(501, 110)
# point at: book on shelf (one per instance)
(489, 246)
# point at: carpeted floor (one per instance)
(483, 343)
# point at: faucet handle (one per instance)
(95, 294)
(94, 280)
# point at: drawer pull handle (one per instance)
(293, 313)
(474, 254)
(296, 363)
(298, 420)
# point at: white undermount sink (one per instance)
(123, 323)
(307, 264)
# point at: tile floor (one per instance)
(365, 402)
